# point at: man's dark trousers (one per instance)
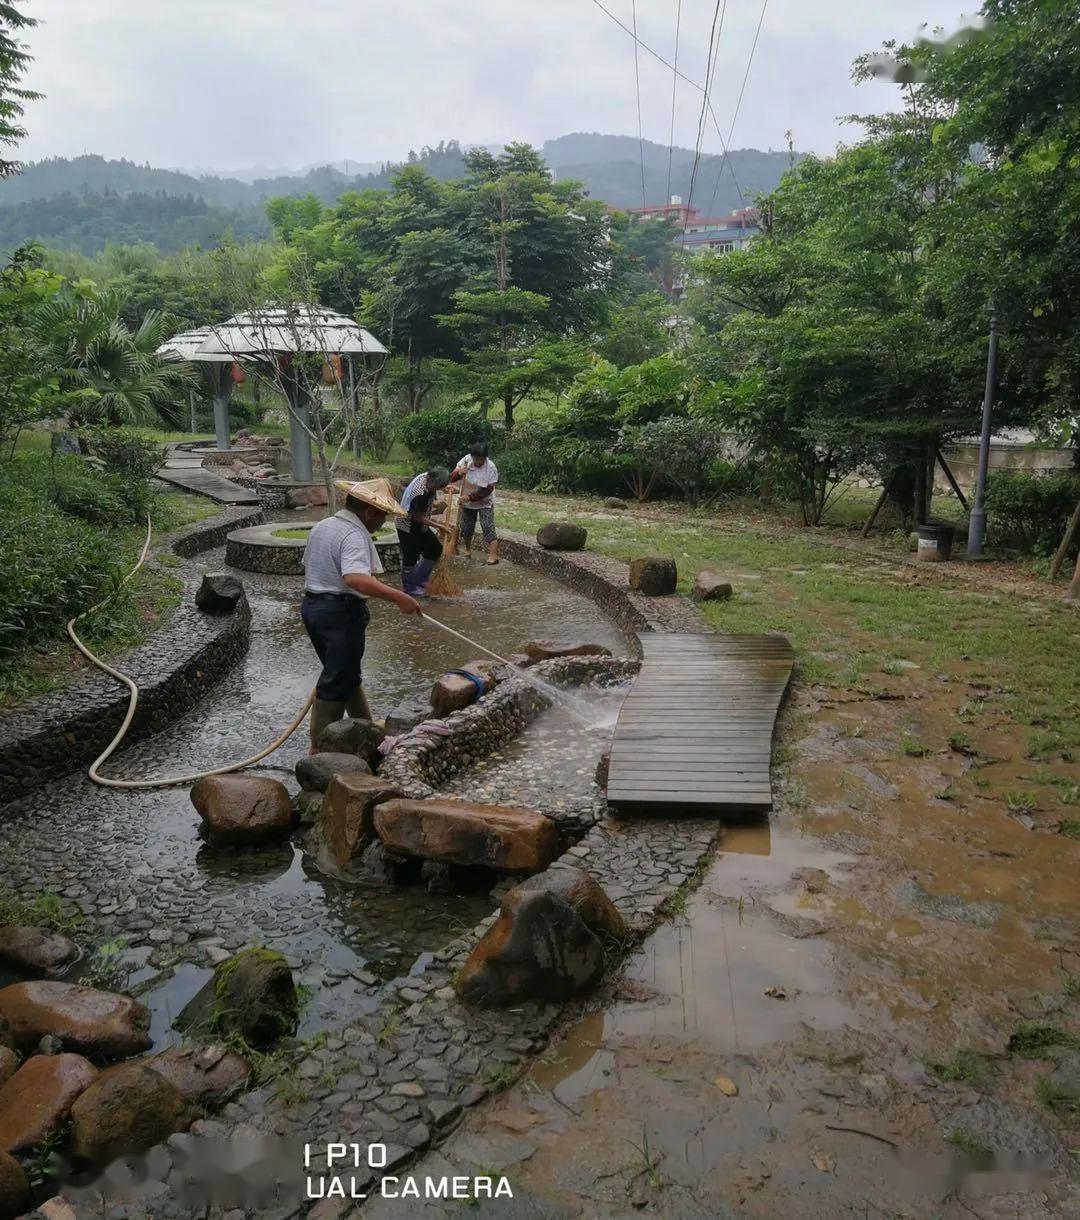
(337, 625)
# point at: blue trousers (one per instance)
(336, 624)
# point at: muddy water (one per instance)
(136, 866)
(770, 1051)
(725, 971)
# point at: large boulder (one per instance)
(306, 497)
(538, 948)
(709, 587)
(345, 823)
(561, 536)
(585, 895)
(14, 1188)
(36, 1101)
(548, 650)
(206, 1076)
(35, 950)
(408, 714)
(361, 738)
(456, 832)
(315, 771)
(239, 809)
(97, 1023)
(454, 691)
(219, 593)
(654, 576)
(251, 995)
(128, 1110)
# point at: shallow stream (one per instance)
(146, 883)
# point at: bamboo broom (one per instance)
(442, 582)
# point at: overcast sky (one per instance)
(229, 83)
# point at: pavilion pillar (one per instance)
(299, 438)
(221, 420)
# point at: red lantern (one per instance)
(238, 374)
(333, 372)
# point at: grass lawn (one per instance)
(854, 618)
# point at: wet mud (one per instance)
(869, 1007)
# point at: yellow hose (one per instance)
(133, 700)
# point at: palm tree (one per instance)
(108, 373)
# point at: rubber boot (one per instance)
(358, 706)
(408, 579)
(422, 570)
(493, 552)
(324, 712)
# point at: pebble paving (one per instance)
(392, 1062)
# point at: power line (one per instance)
(680, 76)
(637, 89)
(738, 104)
(674, 88)
(704, 106)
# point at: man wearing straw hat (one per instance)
(341, 566)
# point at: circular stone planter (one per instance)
(260, 548)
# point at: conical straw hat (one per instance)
(376, 492)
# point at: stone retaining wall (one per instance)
(604, 580)
(211, 532)
(491, 722)
(66, 729)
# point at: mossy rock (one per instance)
(251, 997)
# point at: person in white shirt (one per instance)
(478, 498)
(341, 567)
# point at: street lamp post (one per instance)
(977, 525)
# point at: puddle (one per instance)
(705, 976)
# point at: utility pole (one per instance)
(977, 525)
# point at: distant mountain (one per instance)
(89, 222)
(610, 166)
(348, 166)
(84, 202)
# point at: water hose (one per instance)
(170, 781)
(552, 692)
(167, 781)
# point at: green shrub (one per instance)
(1031, 510)
(131, 461)
(54, 566)
(526, 463)
(440, 436)
(95, 500)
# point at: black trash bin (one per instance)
(935, 541)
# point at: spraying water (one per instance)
(590, 716)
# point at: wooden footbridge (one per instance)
(695, 733)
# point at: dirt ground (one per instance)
(870, 1007)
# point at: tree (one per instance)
(105, 372)
(540, 279)
(636, 331)
(27, 383)
(14, 60)
(416, 288)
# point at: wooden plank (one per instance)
(696, 729)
